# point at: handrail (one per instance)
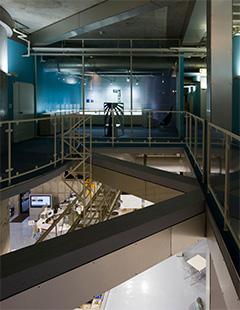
(196, 135)
(229, 133)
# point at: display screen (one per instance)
(38, 201)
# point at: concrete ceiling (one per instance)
(135, 27)
(52, 21)
(36, 14)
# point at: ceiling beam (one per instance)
(96, 17)
(197, 25)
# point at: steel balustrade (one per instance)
(76, 141)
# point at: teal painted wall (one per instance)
(236, 55)
(197, 100)
(236, 106)
(23, 66)
(236, 85)
(55, 94)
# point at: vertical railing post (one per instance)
(70, 134)
(203, 149)
(149, 129)
(9, 169)
(90, 147)
(195, 138)
(55, 142)
(62, 139)
(112, 116)
(131, 91)
(208, 156)
(187, 129)
(84, 173)
(190, 132)
(226, 187)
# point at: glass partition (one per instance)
(153, 97)
(107, 94)
(5, 134)
(217, 162)
(195, 136)
(59, 84)
(234, 185)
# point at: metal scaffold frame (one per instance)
(77, 146)
(80, 150)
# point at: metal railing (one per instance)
(137, 127)
(31, 145)
(195, 134)
(224, 147)
(215, 151)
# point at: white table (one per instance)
(198, 262)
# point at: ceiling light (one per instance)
(71, 80)
(12, 74)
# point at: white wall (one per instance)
(57, 188)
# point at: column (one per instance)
(4, 228)
(5, 32)
(219, 62)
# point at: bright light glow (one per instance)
(203, 70)
(71, 80)
(145, 287)
(133, 113)
(203, 82)
(4, 56)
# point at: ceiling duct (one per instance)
(120, 65)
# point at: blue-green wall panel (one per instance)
(236, 85)
(197, 100)
(54, 94)
(236, 55)
(23, 66)
(236, 106)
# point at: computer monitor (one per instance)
(39, 201)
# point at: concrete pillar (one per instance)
(5, 32)
(4, 227)
(219, 62)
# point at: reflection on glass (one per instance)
(234, 185)
(218, 163)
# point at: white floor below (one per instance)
(166, 286)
